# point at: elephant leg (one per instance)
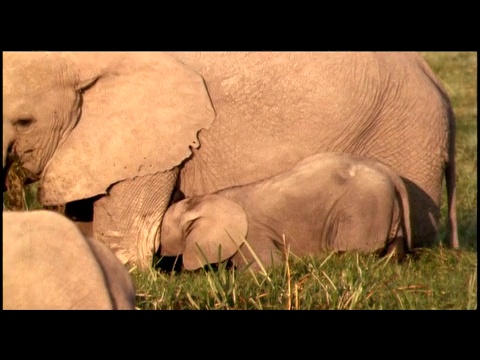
(128, 219)
(424, 214)
(357, 233)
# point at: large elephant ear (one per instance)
(214, 229)
(141, 115)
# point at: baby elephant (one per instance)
(49, 264)
(327, 202)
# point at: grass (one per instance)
(436, 278)
(335, 281)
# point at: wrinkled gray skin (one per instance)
(49, 265)
(328, 202)
(127, 129)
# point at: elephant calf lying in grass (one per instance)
(49, 264)
(327, 202)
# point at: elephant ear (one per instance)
(140, 115)
(214, 229)
(172, 239)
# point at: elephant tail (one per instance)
(402, 193)
(401, 190)
(450, 173)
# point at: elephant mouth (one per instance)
(14, 174)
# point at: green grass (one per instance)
(430, 279)
(436, 278)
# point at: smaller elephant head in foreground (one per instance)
(48, 264)
(327, 202)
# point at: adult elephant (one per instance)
(126, 129)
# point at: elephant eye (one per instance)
(23, 124)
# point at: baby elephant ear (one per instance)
(214, 230)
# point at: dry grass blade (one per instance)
(414, 288)
(263, 271)
(194, 304)
(385, 260)
(327, 258)
(329, 280)
(257, 306)
(296, 296)
(286, 251)
(472, 291)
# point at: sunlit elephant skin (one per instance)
(128, 129)
(49, 265)
(328, 202)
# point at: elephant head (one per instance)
(39, 111)
(205, 229)
(85, 121)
